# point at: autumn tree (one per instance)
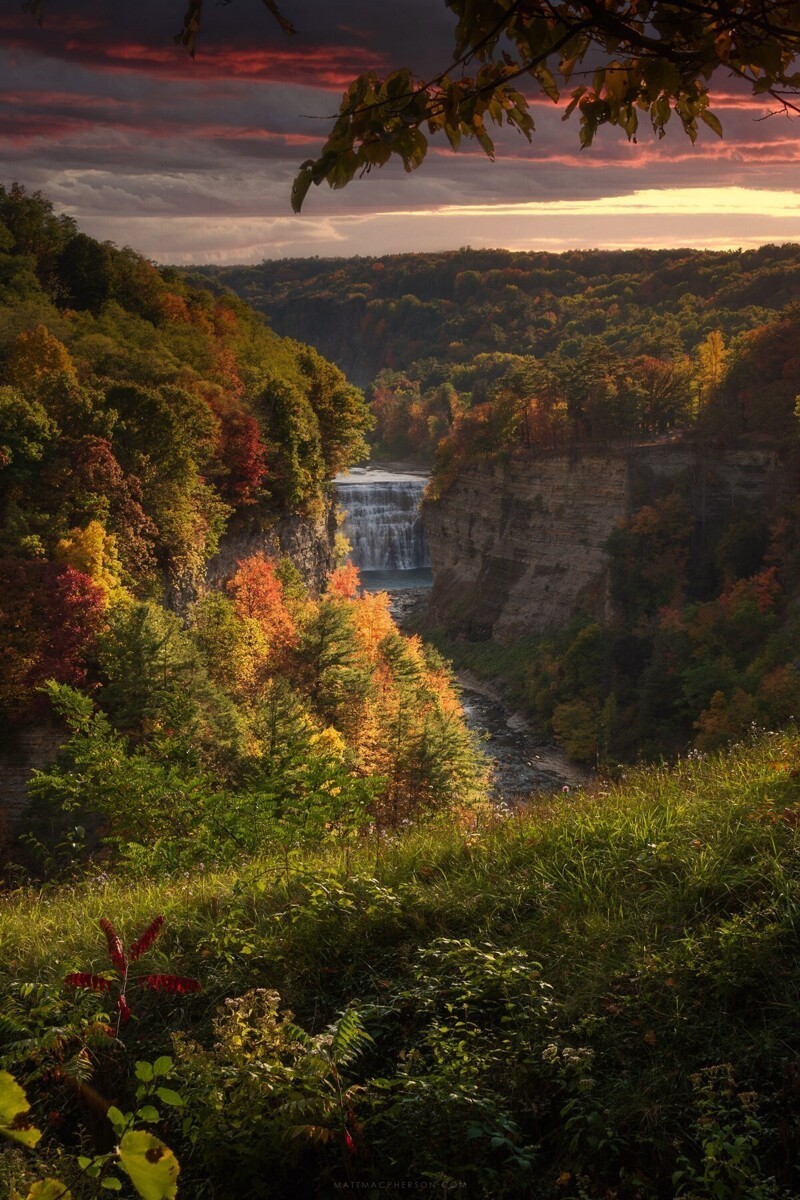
(50, 617)
(294, 442)
(633, 63)
(343, 417)
(258, 598)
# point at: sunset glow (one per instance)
(192, 160)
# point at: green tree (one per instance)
(295, 454)
(341, 412)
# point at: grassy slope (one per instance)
(663, 913)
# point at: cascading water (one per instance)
(383, 522)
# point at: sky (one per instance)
(192, 161)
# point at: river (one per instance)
(385, 530)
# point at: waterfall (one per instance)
(383, 522)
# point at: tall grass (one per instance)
(663, 911)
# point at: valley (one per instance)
(399, 788)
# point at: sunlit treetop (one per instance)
(609, 62)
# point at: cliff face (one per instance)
(307, 541)
(518, 548)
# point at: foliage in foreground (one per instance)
(594, 997)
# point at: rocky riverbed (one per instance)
(523, 762)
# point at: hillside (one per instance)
(615, 461)
(262, 933)
(200, 698)
(595, 999)
(611, 344)
(398, 310)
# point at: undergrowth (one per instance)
(594, 997)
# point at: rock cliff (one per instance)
(519, 547)
(307, 541)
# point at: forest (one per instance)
(262, 934)
(482, 356)
(605, 344)
(140, 416)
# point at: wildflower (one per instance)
(565, 788)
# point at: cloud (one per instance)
(189, 161)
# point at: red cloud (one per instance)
(319, 66)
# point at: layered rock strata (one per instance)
(519, 547)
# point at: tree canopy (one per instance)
(615, 63)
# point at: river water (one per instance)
(384, 527)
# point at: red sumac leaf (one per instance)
(145, 941)
(170, 983)
(115, 951)
(93, 983)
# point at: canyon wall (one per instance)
(307, 541)
(519, 547)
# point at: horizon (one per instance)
(634, 249)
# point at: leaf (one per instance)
(49, 1189)
(150, 1165)
(148, 1113)
(187, 36)
(162, 1065)
(112, 1184)
(35, 8)
(116, 1117)
(144, 1071)
(92, 983)
(286, 25)
(712, 122)
(547, 82)
(146, 939)
(169, 1097)
(115, 950)
(14, 1106)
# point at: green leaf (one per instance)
(49, 1189)
(144, 1071)
(712, 122)
(148, 1113)
(150, 1165)
(300, 188)
(547, 82)
(13, 1109)
(169, 1097)
(163, 1065)
(115, 1116)
(112, 1184)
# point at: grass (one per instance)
(491, 661)
(663, 911)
